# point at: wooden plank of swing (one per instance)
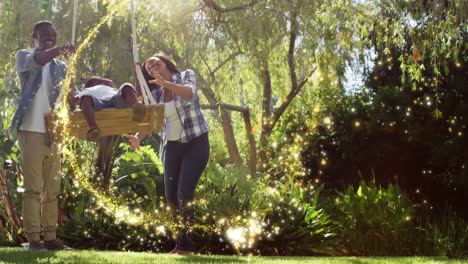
(111, 121)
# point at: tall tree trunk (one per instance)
(266, 117)
(230, 138)
(252, 162)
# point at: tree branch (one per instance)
(232, 56)
(207, 66)
(306, 78)
(295, 86)
(292, 94)
(226, 106)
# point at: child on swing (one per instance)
(100, 93)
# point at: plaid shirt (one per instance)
(189, 111)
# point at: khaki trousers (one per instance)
(41, 170)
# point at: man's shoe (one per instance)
(139, 112)
(36, 245)
(54, 244)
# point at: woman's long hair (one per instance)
(169, 64)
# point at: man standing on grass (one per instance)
(40, 76)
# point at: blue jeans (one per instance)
(183, 166)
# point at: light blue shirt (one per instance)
(30, 77)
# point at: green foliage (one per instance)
(291, 212)
(138, 182)
(228, 191)
(375, 221)
(88, 228)
(444, 234)
(218, 150)
(10, 194)
(11, 231)
(298, 219)
(139, 177)
(381, 133)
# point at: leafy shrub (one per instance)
(138, 183)
(139, 177)
(375, 221)
(444, 234)
(297, 225)
(11, 198)
(93, 228)
(294, 224)
(224, 194)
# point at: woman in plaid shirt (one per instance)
(185, 147)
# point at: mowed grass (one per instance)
(20, 255)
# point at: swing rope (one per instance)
(147, 97)
(75, 9)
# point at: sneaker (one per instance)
(139, 112)
(35, 245)
(53, 245)
(93, 134)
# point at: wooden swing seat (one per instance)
(111, 121)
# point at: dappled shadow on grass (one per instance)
(397, 260)
(210, 259)
(19, 255)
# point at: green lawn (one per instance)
(20, 255)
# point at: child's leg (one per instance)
(130, 98)
(87, 106)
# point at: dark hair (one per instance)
(96, 80)
(169, 64)
(42, 24)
